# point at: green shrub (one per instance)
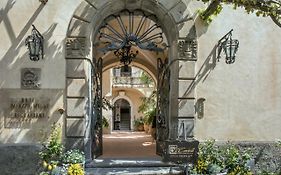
(138, 122)
(52, 150)
(213, 159)
(73, 156)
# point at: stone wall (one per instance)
(266, 155)
(19, 159)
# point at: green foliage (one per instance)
(148, 119)
(105, 123)
(213, 159)
(73, 156)
(279, 143)
(138, 122)
(148, 107)
(54, 162)
(259, 7)
(209, 18)
(145, 78)
(52, 150)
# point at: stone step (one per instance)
(132, 166)
(135, 171)
(128, 162)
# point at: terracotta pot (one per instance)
(146, 128)
(140, 128)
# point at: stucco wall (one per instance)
(243, 99)
(15, 25)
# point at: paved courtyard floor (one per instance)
(126, 144)
(130, 153)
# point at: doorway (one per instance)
(122, 115)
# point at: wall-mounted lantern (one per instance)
(229, 46)
(199, 108)
(35, 42)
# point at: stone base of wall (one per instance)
(24, 160)
(266, 155)
(18, 159)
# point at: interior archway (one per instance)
(122, 115)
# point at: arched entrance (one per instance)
(122, 115)
(83, 44)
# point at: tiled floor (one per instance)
(124, 144)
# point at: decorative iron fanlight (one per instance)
(34, 42)
(229, 46)
(133, 28)
(125, 55)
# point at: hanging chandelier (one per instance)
(125, 55)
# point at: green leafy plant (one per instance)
(138, 122)
(259, 7)
(278, 143)
(105, 123)
(149, 116)
(52, 150)
(148, 108)
(73, 156)
(146, 79)
(213, 159)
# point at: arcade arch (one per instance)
(82, 36)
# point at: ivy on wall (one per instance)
(265, 8)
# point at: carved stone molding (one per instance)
(187, 48)
(75, 47)
(30, 78)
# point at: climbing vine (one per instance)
(265, 8)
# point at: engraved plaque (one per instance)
(30, 78)
(23, 112)
(181, 151)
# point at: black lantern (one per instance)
(229, 46)
(126, 55)
(34, 42)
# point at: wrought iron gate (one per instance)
(97, 110)
(163, 89)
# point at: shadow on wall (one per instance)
(12, 61)
(14, 58)
(17, 41)
(203, 73)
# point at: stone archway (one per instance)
(83, 28)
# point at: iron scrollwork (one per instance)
(97, 106)
(163, 89)
(75, 47)
(187, 48)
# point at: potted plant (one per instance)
(148, 108)
(51, 151)
(55, 162)
(139, 124)
(146, 124)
